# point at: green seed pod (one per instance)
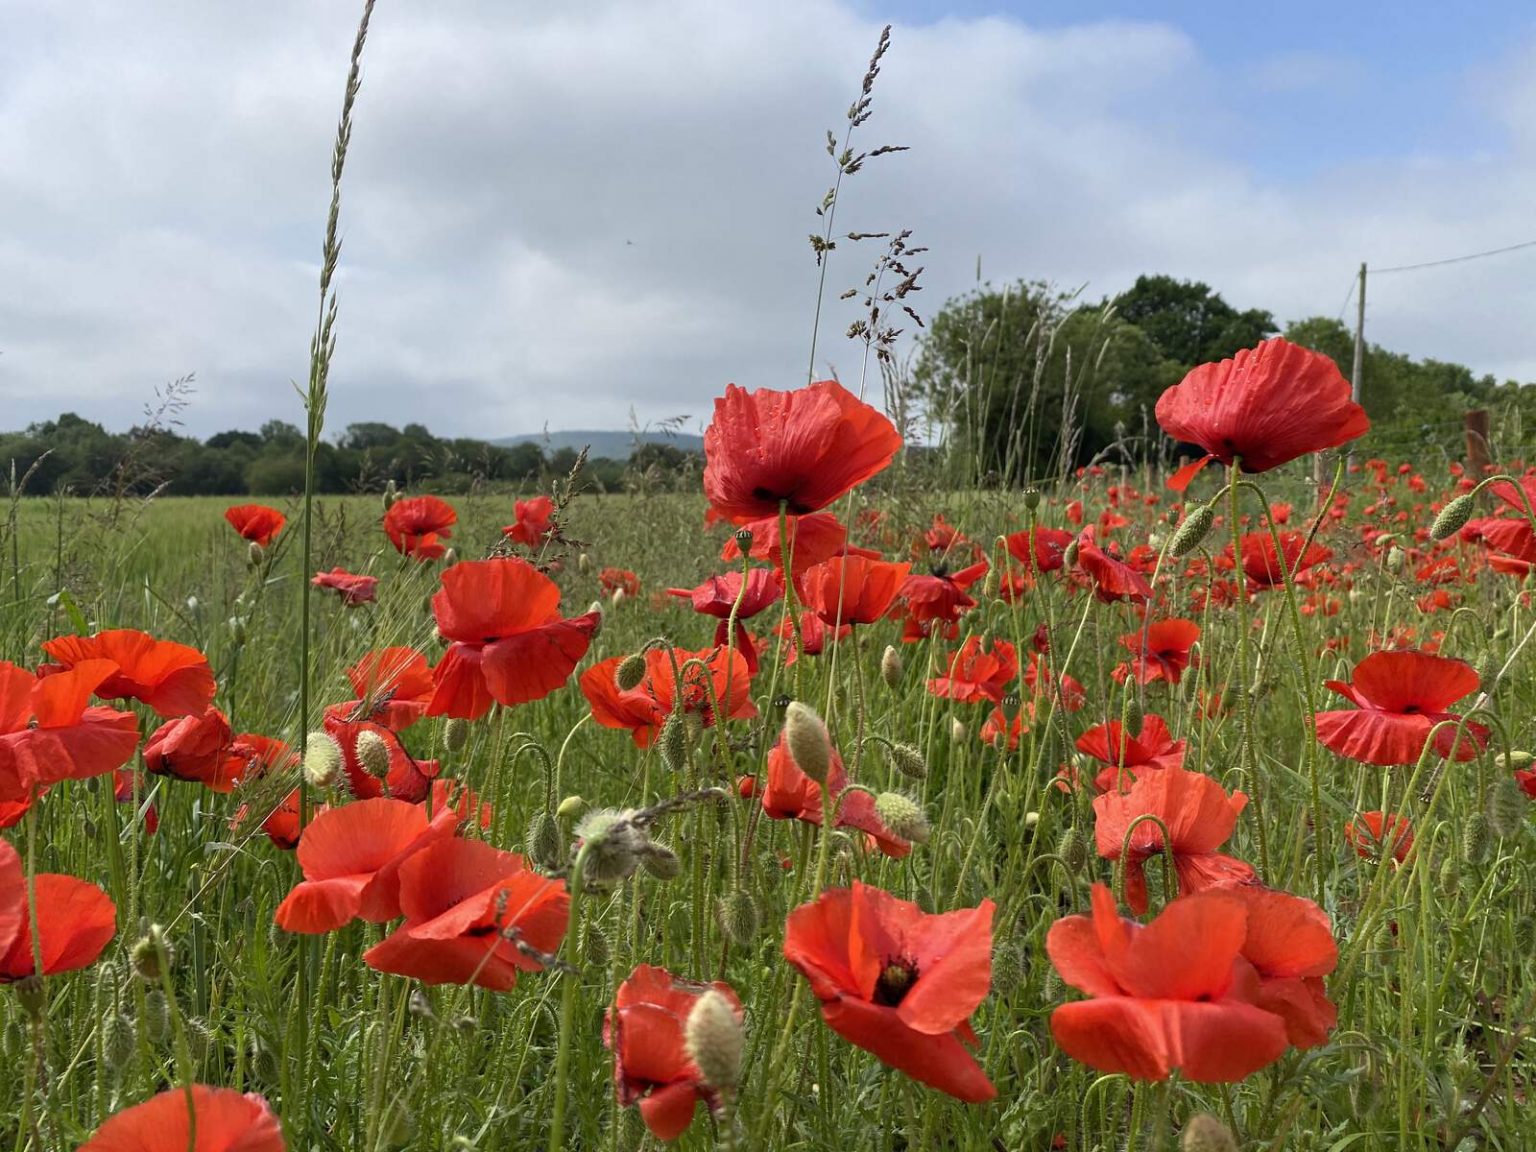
(672, 742)
(908, 761)
(119, 1039)
(1132, 713)
(1192, 530)
(738, 917)
(630, 672)
(1204, 1133)
(1475, 840)
(455, 734)
(157, 1016)
(903, 816)
(1073, 850)
(543, 840)
(1032, 499)
(1453, 517)
(1506, 807)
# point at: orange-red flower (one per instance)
(226, 1121)
(1152, 748)
(49, 733)
(851, 589)
(418, 525)
(255, 522)
(394, 687)
(812, 539)
(508, 642)
(716, 674)
(767, 451)
(1199, 816)
(612, 580)
(1049, 546)
(534, 521)
(720, 596)
(977, 673)
(645, 1030)
(898, 982)
(1290, 945)
(789, 794)
(171, 678)
(1112, 579)
(1160, 652)
(1265, 406)
(354, 589)
(1175, 994)
(1266, 568)
(1401, 696)
(468, 908)
(75, 921)
(351, 858)
(195, 748)
(1373, 833)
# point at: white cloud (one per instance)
(552, 216)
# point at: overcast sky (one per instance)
(556, 213)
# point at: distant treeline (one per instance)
(76, 455)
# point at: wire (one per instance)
(1354, 282)
(1451, 260)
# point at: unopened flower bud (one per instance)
(596, 946)
(1396, 558)
(571, 807)
(738, 917)
(1069, 555)
(119, 1038)
(661, 862)
(909, 761)
(611, 844)
(450, 557)
(322, 759)
(1513, 760)
(149, 954)
(1204, 1133)
(993, 583)
(255, 554)
(1506, 807)
(1132, 713)
(890, 666)
(157, 1015)
(630, 672)
(1474, 839)
(903, 816)
(543, 839)
(237, 630)
(618, 597)
(1488, 674)
(1453, 517)
(713, 1037)
(391, 495)
(1073, 850)
(583, 563)
(672, 742)
(957, 731)
(455, 734)
(1032, 499)
(1192, 530)
(373, 753)
(807, 741)
(32, 996)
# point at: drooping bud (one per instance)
(1073, 850)
(672, 742)
(630, 672)
(119, 1038)
(455, 734)
(891, 667)
(157, 1015)
(1132, 713)
(903, 816)
(993, 583)
(149, 954)
(373, 754)
(1474, 839)
(807, 741)
(1069, 555)
(738, 917)
(660, 861)
(596, 946)
(1192, 530)
(1204, 1133)
(611, 843)
(322, 759)
(1506, 807)
(909, 761)
(713, 1037)
(543, 841)
(1453, 517)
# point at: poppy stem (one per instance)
(1244, 664)
(567, 1000)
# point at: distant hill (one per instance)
(613, 445)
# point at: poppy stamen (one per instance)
(895, 981)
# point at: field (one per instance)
(1432, 980)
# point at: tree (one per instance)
(1188, 322)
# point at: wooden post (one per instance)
(1357, 371)
(1479, 452)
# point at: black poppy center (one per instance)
(895, 981)
(1412, 709)
(792, 507)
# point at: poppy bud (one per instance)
(1010, 966)
(1450, 876)
(450, 557)
(738, 917)
(583, 563)
(571, 808)
(199, 1038)
(1395, 559)
(32, 997)
(1132, 714)
(1488, 675)
(255, 555)
(1453, 517)
(612, 844)
(148, 952)
(713, 1038)
(1192, 530)
(1513, 760)
(373, 753)
(420, 1006)
(956, 731)
(1073, 850)
(618, 597)
(322, 759)
(890, 666)
(903, 816)
(1031, 820)
(807, 741)
(596, 946)
(909, 761)
(993, 583)
(543, 841)
(391, 495)
(1474, 839)
(237, 630)
(455, 734)
(660, 861)
(1069, 555)
(1506, 807)
(1204, 1133)
(630, 672)
(119, 1039)
(672, 742)
(157, 1016)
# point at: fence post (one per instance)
(1479, 453)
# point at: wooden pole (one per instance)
(1357, 371)
(1479, 454)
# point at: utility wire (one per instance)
(1451, 260)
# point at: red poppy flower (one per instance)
(645, 1031)
(126, 784)
(1111, 579)
(767, 451)
(612, 580)
(351, 858)
(226, 1121)
(75, 921)
(943, 535)
(1151, 749)
(534, 521)
(281, 824)
(1174, 994)
(1199, 816)
(418, 525)
(1291, 947)
(718, 597)
(1265, 406)
(394, 687)
(509, 643)
(1262, 564)
(468, 907)
(1369, 835)
(1064, 691)
(999, 726)
(851, 589)
(195, 748)
(645, 708)
(1160, 652)
(814, 636)
(354, 589)
(1401, 696)
(937, 600)
(48, 733)
(789, 794)
(255, 522)
(171, 678)
(977, 674)
(1049, 546)
(462, 799)
(898, 982)
(812, 539)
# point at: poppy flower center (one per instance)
(895, 981)
(1412, 709)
